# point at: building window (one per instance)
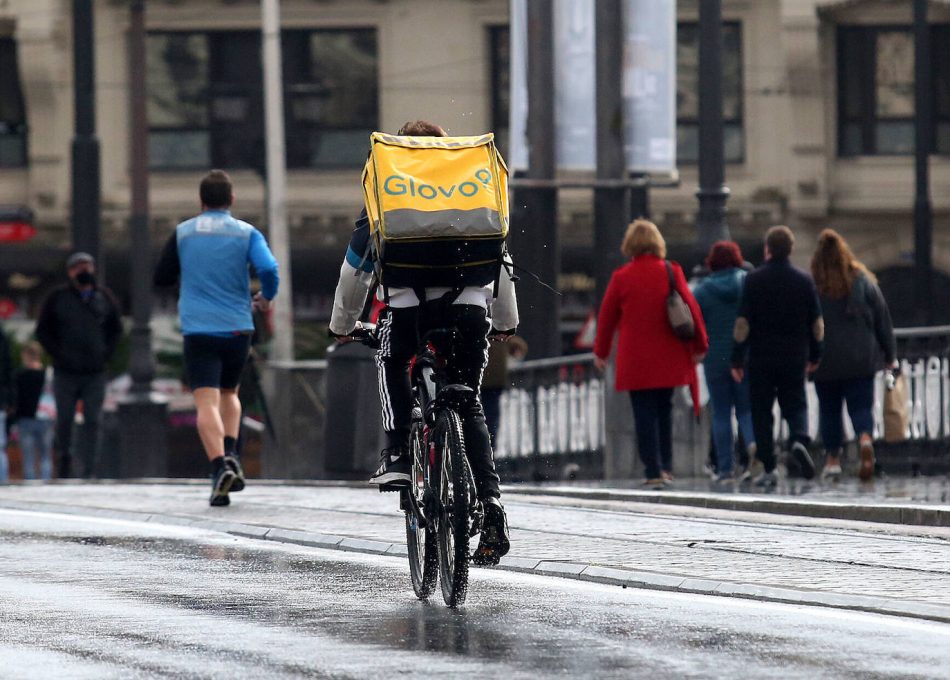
(876, 92)
(499, 44)
(12, 109)
(206, 108)
(687, 93)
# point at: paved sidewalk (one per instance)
(900, 570)
(895, 500)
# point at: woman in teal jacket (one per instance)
(718, 296)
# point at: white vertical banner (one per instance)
(518, 79)
(575, 109)
(574, 106)
(649, 85)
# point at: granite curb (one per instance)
(592, 573)
(889, 513)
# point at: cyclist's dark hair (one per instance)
(421, 128)
(216, 190)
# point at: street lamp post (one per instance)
(85, 145)
(712, 194)
(534, 217)
(143, 416)
(923, 213)
(610, 203)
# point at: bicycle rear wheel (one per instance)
(454, 516)
(421, 542)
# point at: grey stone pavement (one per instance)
(890, 568)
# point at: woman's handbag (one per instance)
(896, 418)
(677, 311)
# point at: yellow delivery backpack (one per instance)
(438, 210)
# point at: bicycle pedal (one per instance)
(391, 488)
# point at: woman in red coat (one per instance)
(651, 360)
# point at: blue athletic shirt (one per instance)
(213, 251)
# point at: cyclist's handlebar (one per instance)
(366, 334)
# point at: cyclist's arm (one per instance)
(504, 309)
(356, 279)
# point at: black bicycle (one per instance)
(442, 509)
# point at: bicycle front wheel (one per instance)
(454, 512)
(421, 542)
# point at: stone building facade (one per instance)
(818, 106)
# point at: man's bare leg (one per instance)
(230, 413)
(210, 422)
(231, 419)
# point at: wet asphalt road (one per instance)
(88, 598)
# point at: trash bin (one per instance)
(353, 431)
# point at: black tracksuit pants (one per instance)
(400, 330)
(785, 380)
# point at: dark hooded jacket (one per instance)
(719, 295)
(859, 337)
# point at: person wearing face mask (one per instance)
(79, 327)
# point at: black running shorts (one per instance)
(213, 361)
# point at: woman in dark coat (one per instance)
(859, 341)
(650, 359)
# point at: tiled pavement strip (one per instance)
(883, 568)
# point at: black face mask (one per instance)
(86, 279)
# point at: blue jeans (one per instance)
(4, 461)
(653, 416)
(36, 437)
(724, 395)
(859, 395)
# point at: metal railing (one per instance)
(556, 410)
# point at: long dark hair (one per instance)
(834, 266)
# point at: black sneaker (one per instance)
(805, 464)
(233, 462)
(494, 543)
(220, 486)
(393, 472)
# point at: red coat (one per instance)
(649, 356)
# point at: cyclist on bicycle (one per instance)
(476, 315)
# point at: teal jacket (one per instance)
(719, 295)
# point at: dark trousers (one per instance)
(859, 394)
(400, 331)
(653, 417)
(784, 380)
(69, 388)
(491, 402)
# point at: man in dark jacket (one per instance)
(780, 332)
(80, 327)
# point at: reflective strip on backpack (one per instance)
(416, 224)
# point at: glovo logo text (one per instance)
(398, 185)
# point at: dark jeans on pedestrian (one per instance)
(68, 389)
(724, 395)
(491, 402)
(784, 380)
(859, 395)
(653, 417)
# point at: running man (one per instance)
(209, 254)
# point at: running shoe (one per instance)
(801, 456)
(234, 463)
(495, 541)
(767, 480)
(220, 486)
(394, 469)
